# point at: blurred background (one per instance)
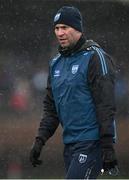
(27, 43)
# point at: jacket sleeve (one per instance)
(49, 122)
(101, 78)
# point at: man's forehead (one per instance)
(61, 25)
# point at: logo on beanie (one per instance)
(57, 17)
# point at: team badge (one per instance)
(75, 69)
(57, 17)
(82, 158)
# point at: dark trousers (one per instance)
(83, 160)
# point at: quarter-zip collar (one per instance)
(81, 45)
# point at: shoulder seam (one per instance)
(55, 59)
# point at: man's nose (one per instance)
(60, 32)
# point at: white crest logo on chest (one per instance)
(75, 69)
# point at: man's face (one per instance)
(66, 35)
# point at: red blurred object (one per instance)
(19, 102)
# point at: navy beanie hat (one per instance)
(70, 16)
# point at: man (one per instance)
(80, 96)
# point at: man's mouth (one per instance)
(62, 39)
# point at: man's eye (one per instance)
(56, 28)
